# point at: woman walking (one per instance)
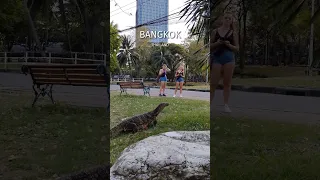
(179, 80)
(222, 54)
(163, 79)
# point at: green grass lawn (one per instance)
(49, 140)
(245, 149)
(302, 81)
(191, 85)
(180, 115)
(274, 71)
(281, 76)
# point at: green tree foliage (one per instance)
(196, 58)
(76, 23)
(171, 55)
(11, 14)
(197, 14)
(114, 47)
(128, 57)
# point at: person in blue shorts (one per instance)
(163, 79)
(179, 80)
(223, 47)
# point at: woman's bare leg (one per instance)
(161, 86)
(175, 91)
(181, 85)
(227, 78)
(214, 79)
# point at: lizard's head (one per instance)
(160, 107)
(163, 104)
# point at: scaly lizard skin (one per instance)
(139, 122)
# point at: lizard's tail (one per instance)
(115, 131)
(160, 107)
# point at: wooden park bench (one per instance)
(45, 76)
(133, 85)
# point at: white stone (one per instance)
(173, 134)
(171, 156)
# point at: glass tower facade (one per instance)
(151, 10)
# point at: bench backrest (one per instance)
(133, 85)
(76, 75)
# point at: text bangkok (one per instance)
(160, 34)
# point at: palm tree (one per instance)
(35, 36)
(162, 56)
(200, 16)
(127, 57)
(170, 55)
(197, 14)
(290, 11)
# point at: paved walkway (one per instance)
(169, 92)
(271, 107)
(256, 105)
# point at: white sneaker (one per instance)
(181, 95)
(174, 95)
(227, 109)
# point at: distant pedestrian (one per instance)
(163, 79)
(222, 55)
(179, 80)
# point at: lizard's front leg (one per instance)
(145, 126)
(133, 127)
(153, 124)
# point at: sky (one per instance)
(123, 13)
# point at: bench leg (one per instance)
(42, 92)
(146, 90)
(122, 90)
(36, 94)
(49, 93)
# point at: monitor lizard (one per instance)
(138, 122)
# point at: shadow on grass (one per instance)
(245, 149)
(49, 140)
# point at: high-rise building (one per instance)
(148, 11)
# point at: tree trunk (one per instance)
(47, 17)
(186, 75)
(88, 27)
(32, 28)
(266, 50)
(9, 46)
(299, 51)
(240, 32)
(244, 37)
(65, 22)
(291, 54)
(252, 57)
(284, 53)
